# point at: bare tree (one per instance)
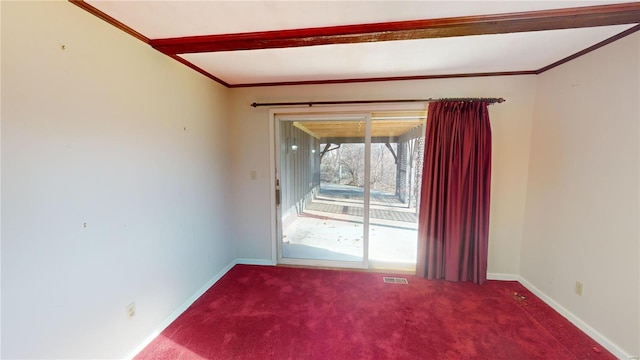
(352, 162)
(383, 168)
(329, 166)
(345, 165)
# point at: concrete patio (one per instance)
(331, 228)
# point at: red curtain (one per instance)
(453, 228)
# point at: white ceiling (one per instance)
(424, 57)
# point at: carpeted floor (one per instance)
(257, 312)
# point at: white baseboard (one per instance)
(502, 277)
(174, 315)
(579, 323)
(263, 262)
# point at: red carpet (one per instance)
(257, 312)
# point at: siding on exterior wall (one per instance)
(299, 169)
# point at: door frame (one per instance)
(321, 112)
(366, 117)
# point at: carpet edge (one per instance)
(177, 312)
(575, 320)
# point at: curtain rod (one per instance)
(311, 103)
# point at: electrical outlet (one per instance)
(131, 310)
(578, 288)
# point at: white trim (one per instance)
(306, 114)
(366, 214)
(273, 210)
(579, 323)
(309, 112)
(263, 262)
(174, 315)
(502, 277)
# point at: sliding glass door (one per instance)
(322, 195)
(345, 190)
(397, 144)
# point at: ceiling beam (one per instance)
(590, 16)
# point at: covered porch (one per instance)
(322, 190)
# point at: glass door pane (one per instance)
(322, 191)
(397, 145)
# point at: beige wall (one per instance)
(511, 124)
(96, 134)
(582, 213)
